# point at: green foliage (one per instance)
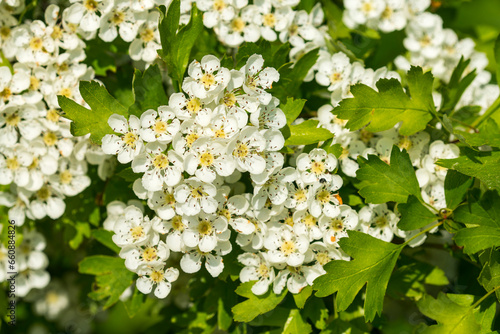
(490, 275)
(112, 278)
(307, 133)
(414, 214)
(148, 91)
(456, 314)
(177, 43)
(455, 187)
(483, 165)
(483, 223)
(372, 264)
(381, 182)
(390, 105)
(255, 305)
(105, 238)
(274, 54)
(296, 324)
(489, 134)
(452, 92)
(292, 109)
(93, 121)
(301, 297)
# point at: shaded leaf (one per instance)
(148, 91)
(307, 133)
(414, 215)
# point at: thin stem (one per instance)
(422, 232)
(476, 304)
(464, 124)
(490, 111)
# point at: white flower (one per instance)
(334, 72)
(269, 116)
(273, 187)
(174, 229)
(336, 227)
(205, 232)
(257, 79)
(48, 202)
(325, 199)
(192, 260)
(296, 278)
(284, 246)
(120, 19)
(129, 144)
(378, 221)
(306, 224)
(208, 158)
(315, 166)
(150, 276)
(71, 179)
(194, 196)
(150, 254)
(133, 229)
(245, 150)
(360, 11)
(115, 212)
(163, 202)
(159, 126)
(14, 163)
(257, 268)
(145, 47)
(53, 302)
(206, 79)
(12, 84)
(159, 167)
(88, 15)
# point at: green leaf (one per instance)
(296, 324)
(274, 54)
(134, 304)
(490, 274)
(317, 312)
(455, 187)
(292, 109)
(483, 165)
(335, 149)
(452, 92)
(292, 77)
(301, 297)
(383, 183)
(455, 315)
(93, 121)
(105, 238)
(307, 133)
(489, 134)
(255, 305)
(82, 230)
(409, 280)
(112, 278)
(381, 110)
(483, 223)
(497, 58)
(148, 91)
(338, 326)
(99, 55)
(372, 264)
(414, 214)
(177, 44)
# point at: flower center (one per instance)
(149, 254)
(241, 150)
(309, 220)
(287, 247)
(50, 138)
(387, 13)
(160, 127)
(91, 5)
(367, 7)
(130, 138)
(65, 92)
(191, 138)
(300, 195)
(52, 115)
(251, 83)
(160, 161)
(63, 67)
(230, 100)
(220, 133)
(36, 43)
(157, 276)
(34, 164)
(365, 136)
(66, 177)
(318, 167)
(208, 79)
(238, 25)
(13, 119)
(177, 223)
(381, 222)
(205, 228)
(137, 232)
(4, 32)
(269, 20)
(197, 192)
(263, 270)
(289, 220)
(405, 143)
(335, 77)
(6, 93)
(51, 298)
(118, 17)
(12, 163)
(193, 105)
(56, 33)
(34, 83)
(147, 35)
(43, 194)
(322, 258)
(206, 159)
(323, 196)
(293, 29)
(219, 5)
(225, 213)
(336, 224)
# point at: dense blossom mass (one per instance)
(212, 173)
